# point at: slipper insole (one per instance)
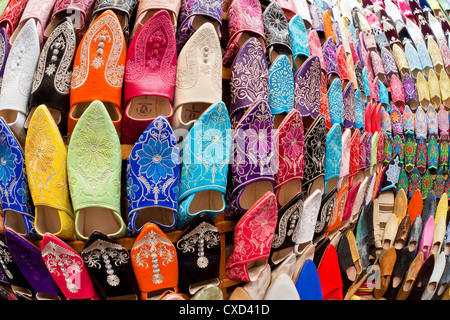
(149, 107)
(14, 220)
(97, 219)
(289, 190)
(210, 200)
(253, 192)
(193, 111)
(47, 220)
(160, 215)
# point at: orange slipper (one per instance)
(98, 69)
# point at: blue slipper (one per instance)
(281, 86)
(333, 157)
(153, 173)
(299, 42)
(204, 168)
(308, 282)
(15, 196)
(335, 102)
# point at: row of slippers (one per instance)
(402, 257)
(327, 50)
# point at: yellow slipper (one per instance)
(45, 161)
(423, 91)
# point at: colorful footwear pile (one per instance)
(320, 130)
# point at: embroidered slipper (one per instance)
(397, 122)
(315, 142)
(147, 8)
(288, 221)
(354, 157)
(307, 221)
(11, 15)
(348, 98)
(316, 20)
(31, 265)
(408, 122)
(281, 87)
(245, 90)
(403, 182)
(384, 95)
(253, 170)
(411, 97)
(335, 102)
(432, 122)
(94, 172)
(192, 16)
(421, 155)
(290, 138)
(162, 176)
(39, 12)
(18, 78)
(421, 125)
(247, 265)
(400, 59)
(276, 31)
(439, 184)
(323, 218)
(307, 93)
(425, 59)
(414, 62)
(444, 155)
(432, 155)
(79, 9)
(17, 206)
(427, 183)
(123, 10)
(398, 148)
(335, 223)
(99, 70)
(245, 20)
(67, 269)
(206, 153)
(315, 48)
(410, 154)
(51, 85)
(324, 110)
(435, 55)
(45, 162)
(143, 104)
(333, 158)
(359, 110)
(342, 65)
(331, 60)
(299, 42)
(349, 206)
(109, 265)
(155, 263)
(198, 251)
(445, 52)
